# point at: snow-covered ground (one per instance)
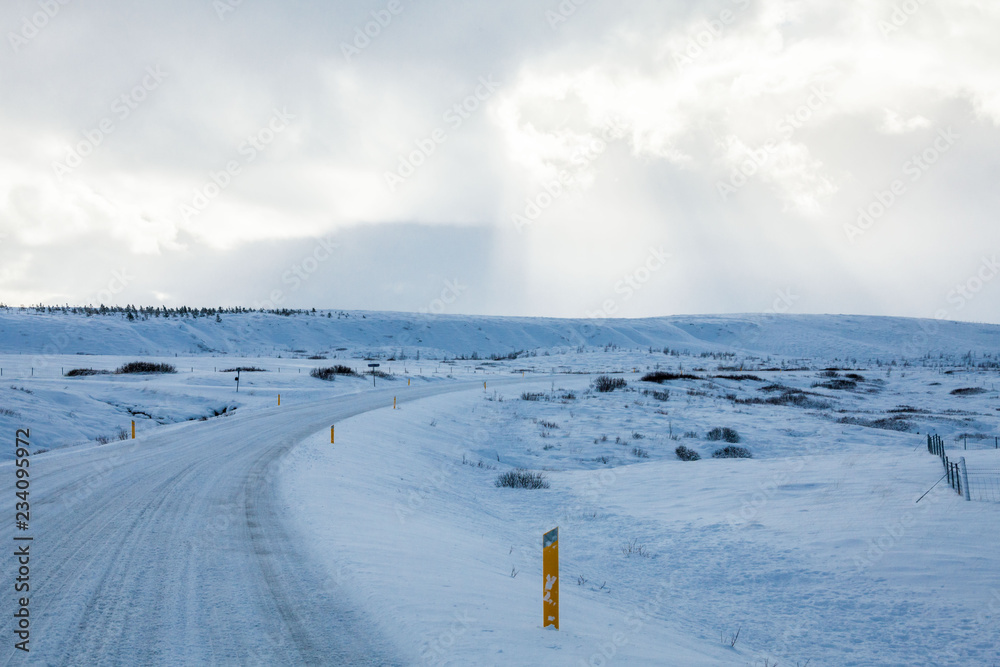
(815, 550)
(39, 335)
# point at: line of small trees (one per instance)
(131, 312)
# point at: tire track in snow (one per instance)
(125, 573)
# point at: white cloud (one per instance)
(694, 90)
(894, 124)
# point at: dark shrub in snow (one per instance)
(685, 454)
(839, 384)
(608, 383)
(662, 376)
(519, 478)
(145, 367)
(740, 378)
(723, 433)
(331, 372)
(80, 372)
(967, 391)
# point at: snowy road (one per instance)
(172, 549)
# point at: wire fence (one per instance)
(984, 485)
(976, 441)
(977, 484)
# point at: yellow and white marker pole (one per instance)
(407, 382)
(331, 435)
(133, 429)
(393, 402)
(279, 400)
(550, 578)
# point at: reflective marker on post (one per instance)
(550, 578)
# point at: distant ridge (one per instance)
(317, 332)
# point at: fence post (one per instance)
(965, 478)
(947, 467)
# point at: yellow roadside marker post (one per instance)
(279, 399)
(393, 402)
(550, 574)
(331, 435)
(133, 429)
(407, 382)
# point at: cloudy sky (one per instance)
(529, 157)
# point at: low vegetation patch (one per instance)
(607, 383)
(732, 452)
(243, 369)
(910, 409)
(894, 423)
(480, 464)
(144, 367)
(533, 396)
(520, 478)
(841, 384)
(83, 372)
(788, 396)
(968, 391)
(723, 433)
(660, 377)
(640, 452)
(7, 412)
(964, 436)
(331, 372)
(686, 454)
(633, 548)
(746, 377)
(658, 395)
(121, 434)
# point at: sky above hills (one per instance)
(574, 158)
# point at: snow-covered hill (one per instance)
(356, 332)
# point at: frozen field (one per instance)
(814, 550)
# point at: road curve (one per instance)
(172, 549)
